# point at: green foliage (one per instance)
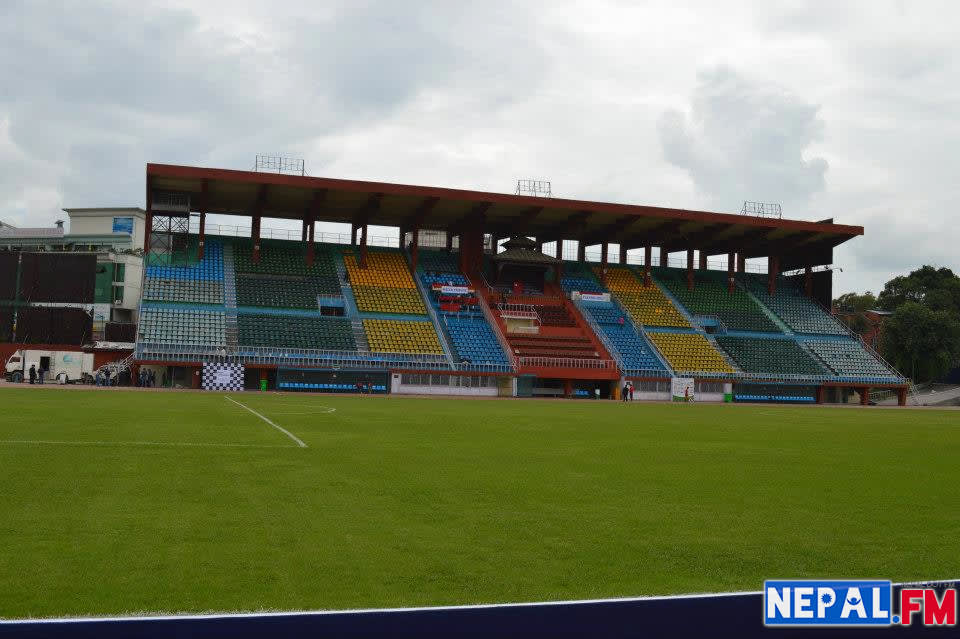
(921, 342)
(855, 303)
(169, 502)
(936, 288)
(851, 308)
(921, 337)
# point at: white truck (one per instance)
(62, 367)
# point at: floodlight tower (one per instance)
(534, 188)
(276, 163)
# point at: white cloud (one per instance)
(845, 112)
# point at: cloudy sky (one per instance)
(844, 110)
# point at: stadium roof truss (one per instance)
(796, 243)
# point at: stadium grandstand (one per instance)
(465, 312)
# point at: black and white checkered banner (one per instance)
(219, 376)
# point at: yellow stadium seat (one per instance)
(646, 304)
(690, 352)
(396, 336)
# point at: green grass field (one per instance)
(122, 502)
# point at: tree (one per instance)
(855, 303)
(850, 308)
(936, 288)
(921, 342)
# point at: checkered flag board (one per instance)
(222, 377)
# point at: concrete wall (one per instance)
(397, 386)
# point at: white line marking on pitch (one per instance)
(52, 442)
(280, 428)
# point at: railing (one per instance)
(714, 318)
(518, 311)
(646, 372)
(495, 327)
(859, 338)
(566, 362)
(594, 257)
(300, 356)
(287, 234)
(601, 335)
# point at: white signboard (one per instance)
(681, 389)
(453, 290)
(590, 297)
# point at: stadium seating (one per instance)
(319, 333)
(770, 356)
(385, 285)
(635, 350)
(284, 257)
(848, 358)
(547, 346)
(438, 261)
(183, 291)
(182, 327)
(274, 292)
(461, 318)
(647, 305)
(473, 340)
(710, 296)
(210, 268)
(690, 352)
(578, 277)
(554, 316)
(200, 282)
(393, 336)
(790, 305)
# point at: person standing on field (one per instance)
(33, 373)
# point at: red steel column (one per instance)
(603, 262)
(741, 263)
(449, 242)
(690, 269)
(821, 392)
(730, 277)
(353, 234)
(581, 252)
(303, 231)
(363, 247)
(773, 270)
(308, 231)
(415, 248)
(864, 396)
(808, 281)
(647, 256)
(623, 253)
(256, 238)
(902, 396)
(203, 228)
(703, 261)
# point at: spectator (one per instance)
(620, 321)
(106, 377)
(33, 374)
(40, 374)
